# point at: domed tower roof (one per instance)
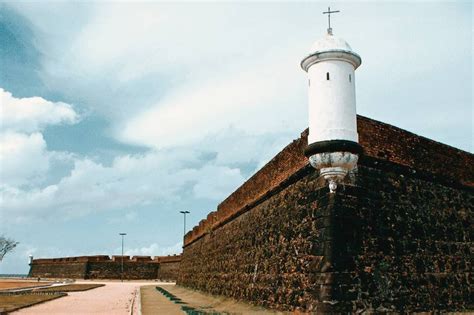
(329, 43)
(330, 47)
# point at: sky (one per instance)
(116, 116)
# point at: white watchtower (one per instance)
(333, 146)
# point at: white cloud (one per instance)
(131, 180)
(130, 60)
(187, 81)
(155, 249)
(90, 186)
(214, 181)
(32, 114)
(118, 40)
(256, 101)
(23, 158)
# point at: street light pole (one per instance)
(184, 228)
(121, 273)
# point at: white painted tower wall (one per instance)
(333, 140)
(332, 103)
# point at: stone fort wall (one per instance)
(397, 237)
(105, 267)
(169, 267)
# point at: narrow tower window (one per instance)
(327, 76)
(350, 78)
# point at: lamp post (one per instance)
(184, 229)
(121, 273)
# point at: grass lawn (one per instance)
(6, 285)
(71, 288)
(9, 303)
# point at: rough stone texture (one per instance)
(270, 255)
(168, 271)
(399, 146)
(169, 267)
(396, 237)
(102, 267)
(74, 270)
(131, 270)
(403, 242)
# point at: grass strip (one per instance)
(71, 288)
(189, 310)
(14, 302)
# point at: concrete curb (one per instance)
(136, 293)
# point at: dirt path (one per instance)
(113, 298)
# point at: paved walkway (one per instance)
(115, 298)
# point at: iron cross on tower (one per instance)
(329, 19)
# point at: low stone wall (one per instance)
(131, 270)
(169, 267)
(169, 271)
(74, 270)
(396, 237)
(103, 267)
